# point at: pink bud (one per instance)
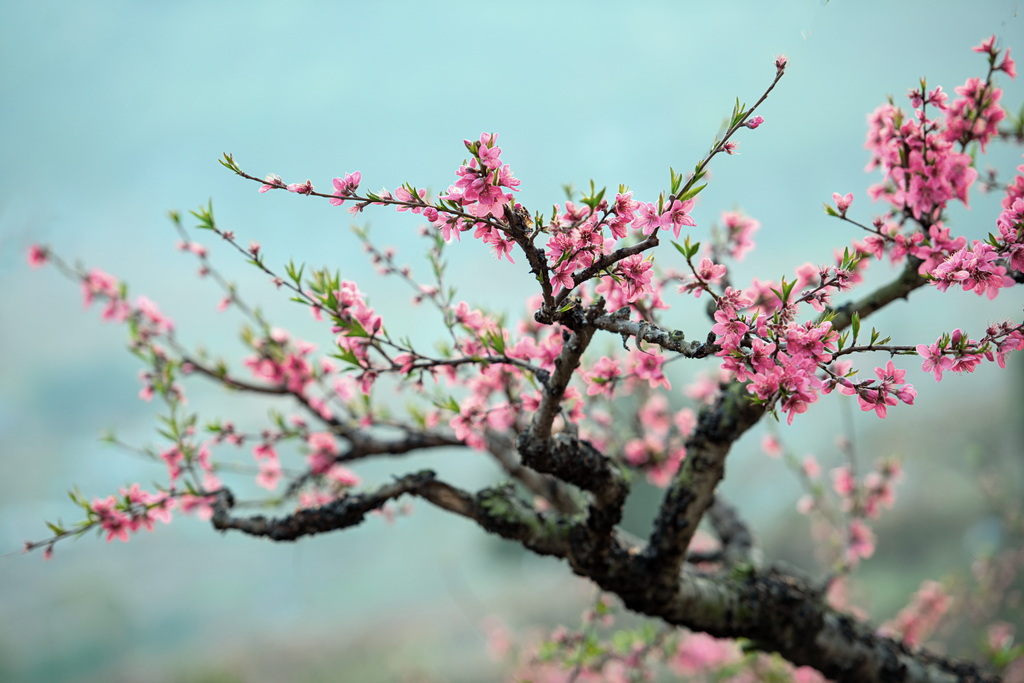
(842, 202)
(37, 255)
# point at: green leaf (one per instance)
(295, 273)
(787, 288)
(687, 250)
(77, 498)
(346, 356)
(205, 216)
(855, 325)
(690, 194)
(676, 181)
(449, 404)
(495, 341)
(352, 328)
(228, 161)
(593, 200)
(830, 211)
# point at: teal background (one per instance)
(114, 113)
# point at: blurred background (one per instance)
(116, 112)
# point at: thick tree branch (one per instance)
(564, 455)
(497, 510)
(774, 611)
(500, 511)
(779, 613)
(692, 490)
(572, 459)
(339, 514)
(560, 495)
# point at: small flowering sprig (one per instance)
(578, 249)
(881, 393)
(705, 277)
(842, 204)
(362, 342)
(956, 352)
(735, 238)
(191, 478)
(921, 617)
(280, 364)
(842, 513)
(761, 343)
(116, 516)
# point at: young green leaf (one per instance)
(690, 194)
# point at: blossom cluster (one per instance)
(956, 352)
(790, 363)
(842, 520)
(661, 448)
(923, 159)
(499, 397)
(135, 509)
(926, 163)
(918, 620)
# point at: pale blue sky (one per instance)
(115, 112)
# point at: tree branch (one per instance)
(773, 610)
(339, 514)
(560, 495)
(692, 490)
(780, 613)
(564, 455)
(644, 331)
(500, 511)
